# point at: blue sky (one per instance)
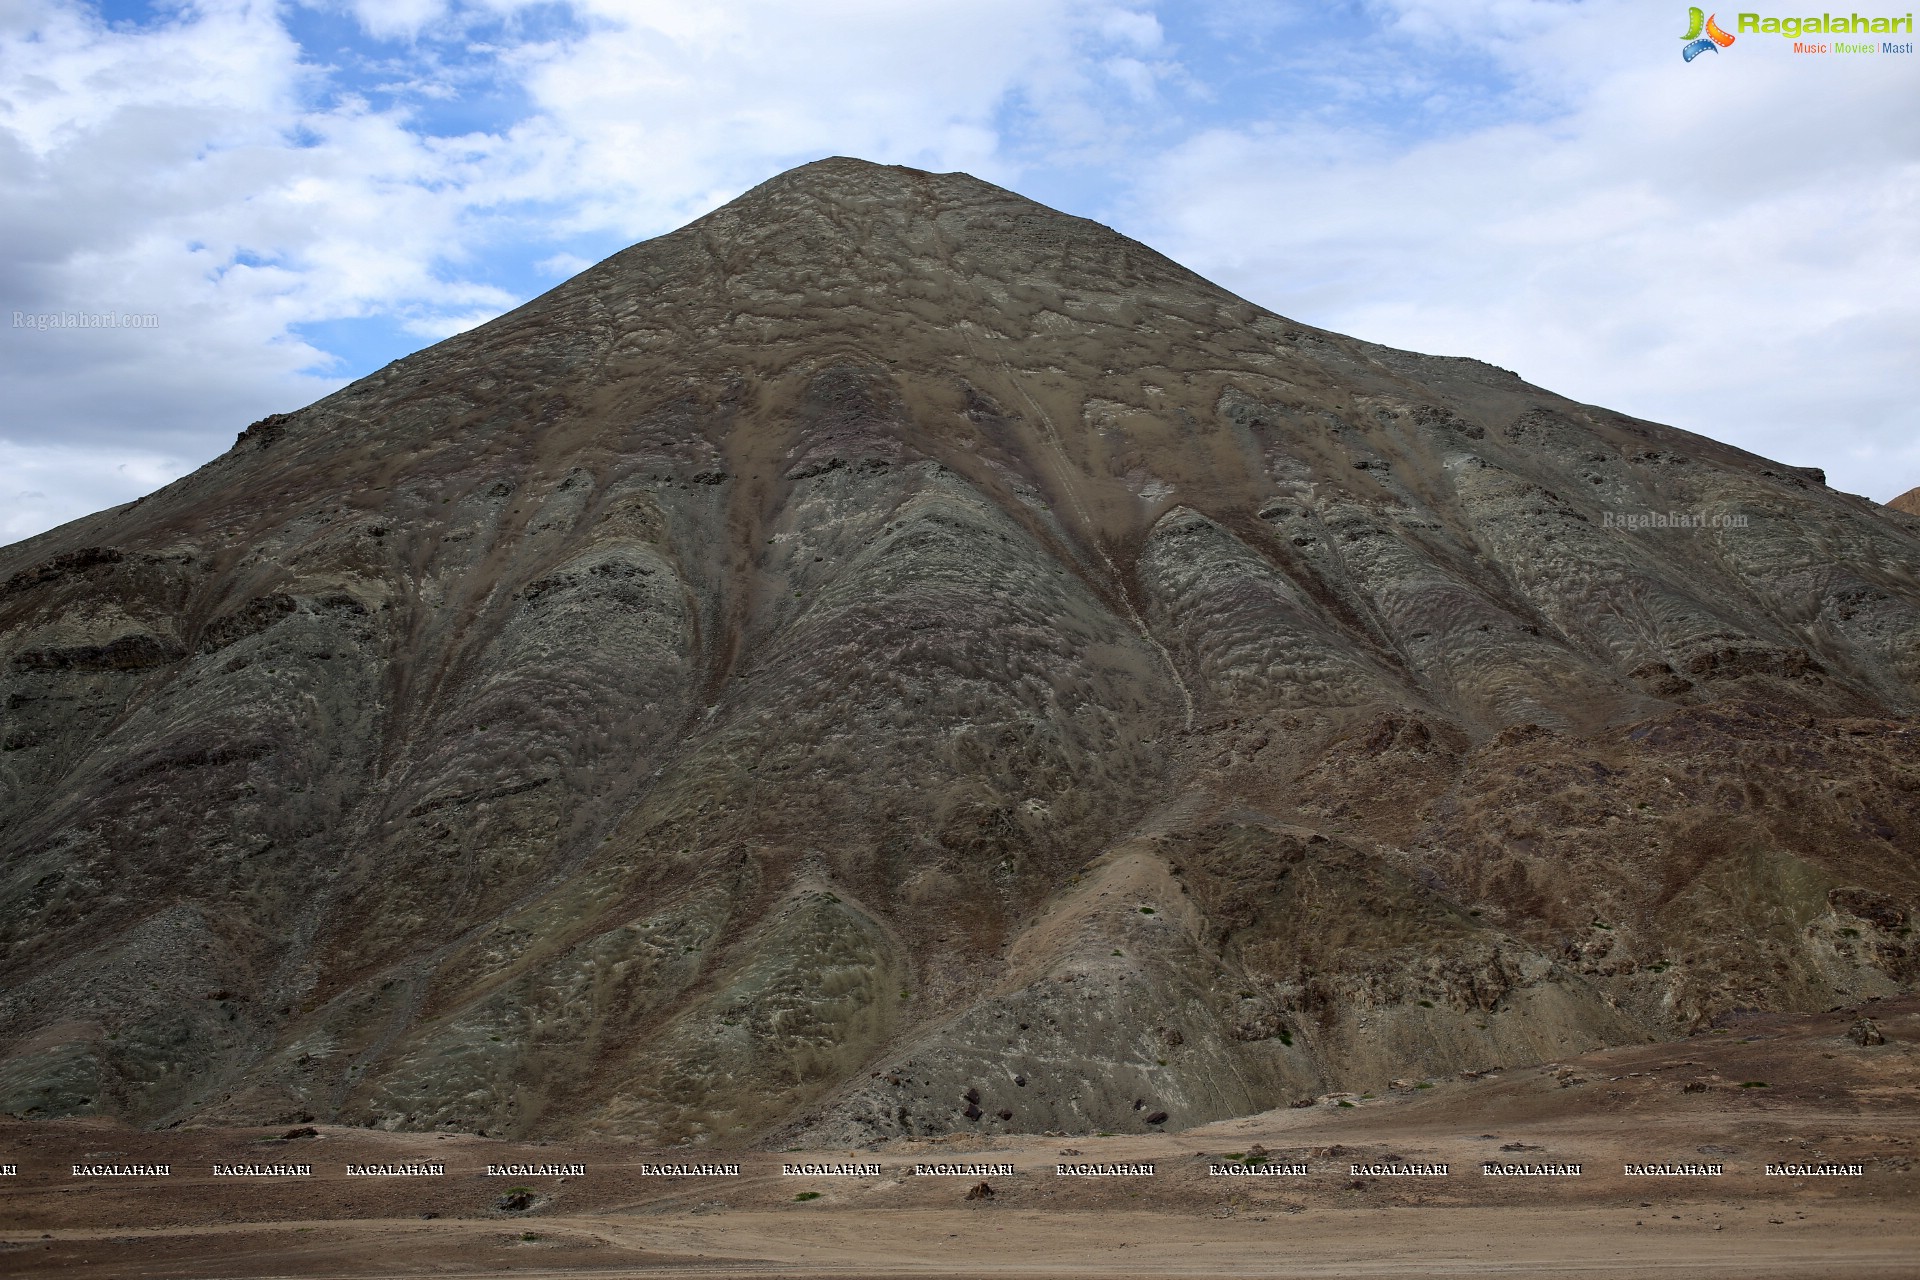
(300, 192)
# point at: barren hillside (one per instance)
(891, 659)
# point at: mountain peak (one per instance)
(850, 179)
(833, 172)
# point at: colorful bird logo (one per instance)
(1713, 41)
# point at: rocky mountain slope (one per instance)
(893, 658)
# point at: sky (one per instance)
(273, 199)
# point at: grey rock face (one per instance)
(890, 658)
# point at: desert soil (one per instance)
(1776, 1089)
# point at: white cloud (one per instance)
(48, 484)
(444, 325)
(1141, 30)
(175, 171)
(562, 265)
(388, 19)
(205, 168)
(669, 110)
(1725, 247)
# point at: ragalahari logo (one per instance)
(1713, 41)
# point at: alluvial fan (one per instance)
(891, 658)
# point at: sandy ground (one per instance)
(1776, 1090)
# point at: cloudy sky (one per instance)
(299, 192)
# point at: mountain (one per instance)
(1907, 503)
(890, 657)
